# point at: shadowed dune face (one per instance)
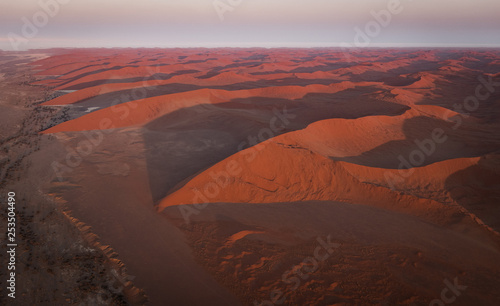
(244, 157)
(477, 188)
(211, 133)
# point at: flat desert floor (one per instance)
(254, 176)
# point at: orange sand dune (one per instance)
(59, 66)
(65, 68)
(142, 111)
(364, 67)
(262, 178)
(147, 73)
(381, 141)
(123, 73)
(352, 137)
(87, 57)
(426, 80)
(225, 78)
(452, 65)
(135, 112)
(406, 97)
(283, 65)
(237, 73)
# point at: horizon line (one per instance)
(284, 46)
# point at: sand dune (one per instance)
(145, 110)
(375, 147)
(264, 179)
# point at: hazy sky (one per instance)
(267, 23)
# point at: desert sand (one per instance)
(209, 176)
